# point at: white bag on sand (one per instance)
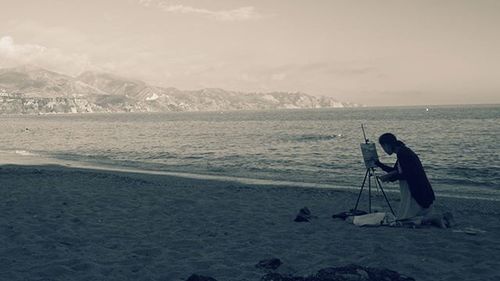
(374, 219)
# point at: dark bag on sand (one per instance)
(304, 215)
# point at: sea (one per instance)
(458, 145)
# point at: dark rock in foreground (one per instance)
(195, 277)
(346, 273)
(269, 264)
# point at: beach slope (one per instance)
(61, 223)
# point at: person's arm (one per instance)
(398, 176)
(384, 167)
(389, 177)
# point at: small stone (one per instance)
(300, 218)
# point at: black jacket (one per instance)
(413, 172)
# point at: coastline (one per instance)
(26, 158)
(77, 223)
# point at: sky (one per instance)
(378, 53)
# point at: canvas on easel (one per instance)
(370, 155)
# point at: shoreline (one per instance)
(73, 223)
(26, 158)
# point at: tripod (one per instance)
(370, 172)
(370, 155)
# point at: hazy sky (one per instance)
(372, 52)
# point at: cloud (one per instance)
(9, 50)
(339, 68)
(12, 54)
(145, 3)
(278, 76)
(239, 14)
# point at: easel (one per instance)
(370, 172)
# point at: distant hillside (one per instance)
(35, 90)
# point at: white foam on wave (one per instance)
(25, 153)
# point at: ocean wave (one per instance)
(311, 137)
(469, 176)
(25, 153)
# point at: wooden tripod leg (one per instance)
(385, 196)
(361, 191)
(370, 192)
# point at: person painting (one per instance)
(417, 196)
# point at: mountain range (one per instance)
(32, 90)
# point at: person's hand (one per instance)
(389, 177)
(393, 179)
(384, 178)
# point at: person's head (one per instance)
(389, 143)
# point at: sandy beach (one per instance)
(63, 223)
